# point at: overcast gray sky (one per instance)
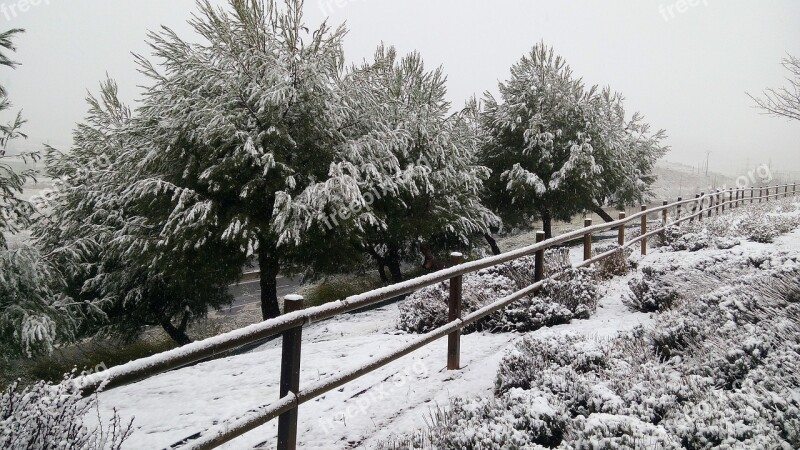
(685, 67)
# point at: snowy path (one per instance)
(394, 399)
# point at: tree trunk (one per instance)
(393, 263)
(492, 244)
(382, 272)
(603, 215)
(380, 263)
(547, 224)
(176, 334)
(394, 269)
(431, 262)
(269, 267)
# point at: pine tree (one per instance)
(106, 239)
(236, 131)
(627, 151)
(34, 315)
(416, 164)
(15, 213)
(557, 148)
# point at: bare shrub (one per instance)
(45, 416)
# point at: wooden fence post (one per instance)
(724, 194)
(716, 203)
(644, 231)
(787, 192)
(730, 201)
(454, 313)
(290, 374)
(768, 188)
(621, 230)
(702, 206)
(587, 241)
(794, 189)
(752, 195)
(538, 272)
(760, 193)
(695, 206)
(678, 209)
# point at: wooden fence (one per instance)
(291, 324)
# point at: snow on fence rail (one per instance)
(290, 325)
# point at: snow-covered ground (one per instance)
(393, 400)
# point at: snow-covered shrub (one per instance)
(734, 358)
(669, 236)
(718, 370)
(556, 260)
(758, 230)
(45, 416)
(757, 223)
(609, 431)
(692, 242)
(572, 295)
(427, 309)
(614, 265)
(725, 421)
(763, 223)
(675, 334)
(652, 291)
(516, 420)
(529, 361)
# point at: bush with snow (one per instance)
(718, 370)
(45, 416)
(651, 292)
(515, 420)
(572, 295)
(756, 223)
(613, 266)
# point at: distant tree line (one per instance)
(258, 142)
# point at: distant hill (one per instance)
(679, 180)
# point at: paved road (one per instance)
(250, 293)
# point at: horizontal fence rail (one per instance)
(295, 318)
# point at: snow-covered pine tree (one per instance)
(538, 147)
(557, 148)
(626, 149)
(34, 315)
(106, 238)
(15, 213)
(237, 128)
(415, 163)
